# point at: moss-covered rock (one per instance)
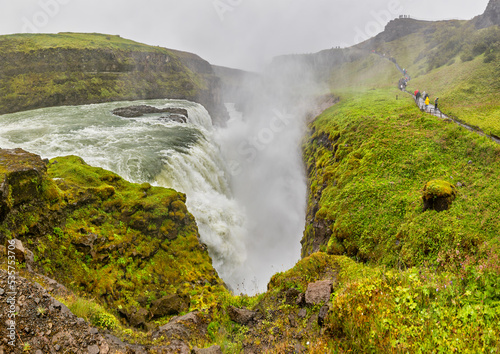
(102, 236)
(438, 195)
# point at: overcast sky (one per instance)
(235, 33)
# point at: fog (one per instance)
(235, 33)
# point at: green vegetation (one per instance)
(125, 240)
(454, 61)
(79, 68)
(122, 244)
(383, 151)
(406, 278)
(92, 312)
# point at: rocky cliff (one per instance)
(134, 248)
(70, 69)
(491, 15)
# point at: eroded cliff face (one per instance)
(491, 15)
(97, 68)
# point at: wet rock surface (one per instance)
(140, 110)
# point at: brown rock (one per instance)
(85, 243)
(169, 305)
(181, 327)
(241, 316)
(93, 349)
(19, 250)
(138, 318)
(319, 292)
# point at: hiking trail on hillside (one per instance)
(435, 111)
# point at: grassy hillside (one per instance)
(42, 70)
(454, 61)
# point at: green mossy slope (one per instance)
(369, 158)
(122, 244)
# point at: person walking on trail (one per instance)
(427, 103)
(436, 103)
(417, 94)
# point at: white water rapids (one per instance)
(244, 183)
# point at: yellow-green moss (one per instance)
(439, 189)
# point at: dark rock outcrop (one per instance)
(180, 330)
(21, 175)
(169, 305)
(241, 316)
(490, 17)
(45, 323)
(323, 313)
(399, 28)
(140, 110)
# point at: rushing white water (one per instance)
(249, 213)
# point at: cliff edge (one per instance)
(44, 70)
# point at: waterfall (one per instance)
(246, 195)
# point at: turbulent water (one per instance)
(242, 191)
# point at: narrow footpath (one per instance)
(436, 112)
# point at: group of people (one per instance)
(426, 98)
(403, 82)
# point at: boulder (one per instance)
(241, 316)
(19, 251)
(140, 110)
(182, 328)
(169, 305)
(319, 292)
(438, 195)
(85, 243)
(138, 318)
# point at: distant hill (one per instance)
(42, 70)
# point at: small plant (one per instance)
(93, 313)
(26, 347)
(41, 311)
